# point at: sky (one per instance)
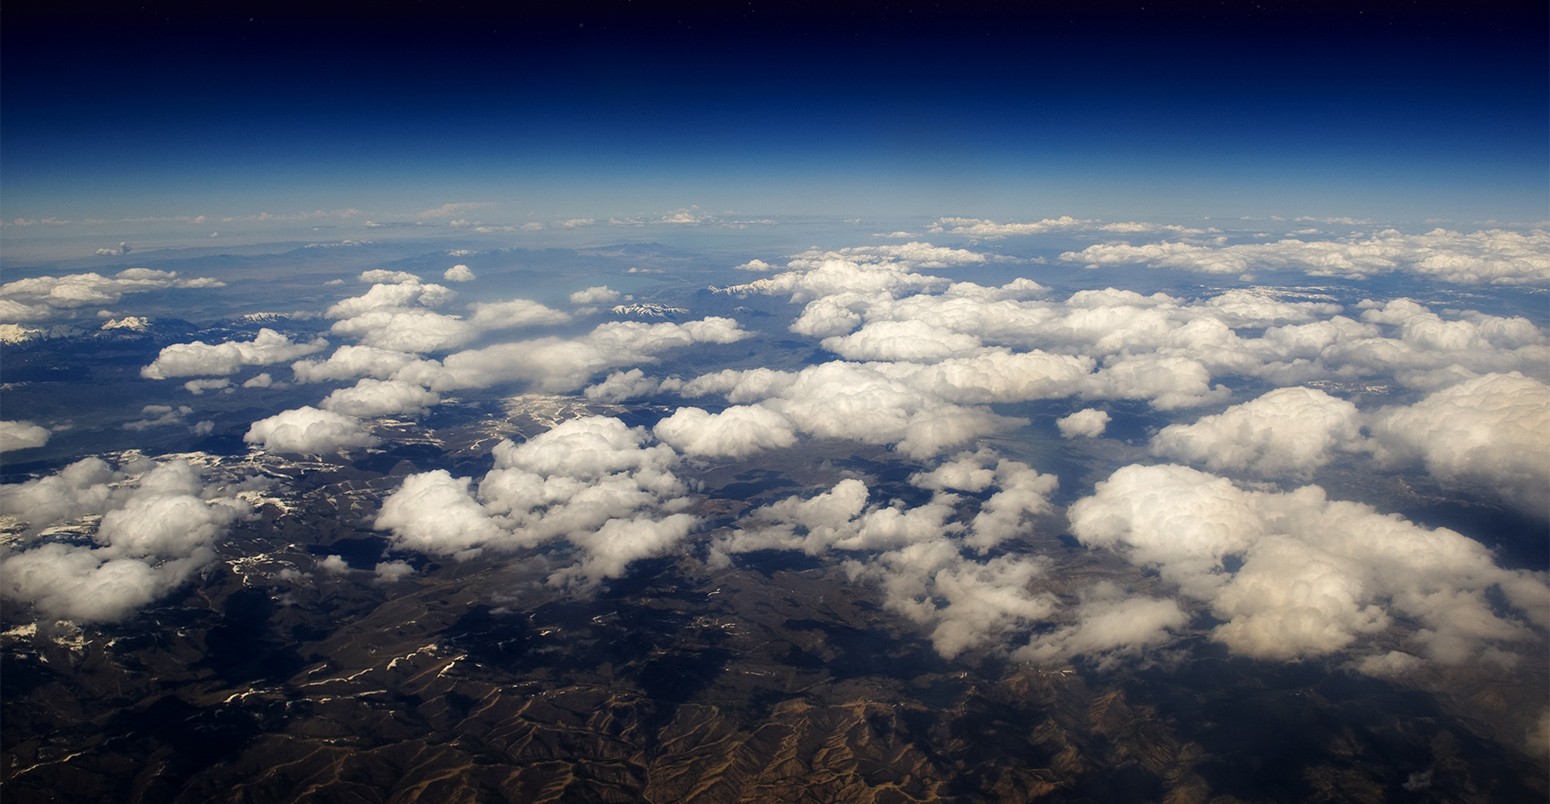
(1400, 111)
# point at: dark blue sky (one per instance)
(1404, 111)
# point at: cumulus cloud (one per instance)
(561, 364)
(1260, 307)
(370, 398)
(397, 314)
(1288, 432)
(995, 375)
(158, 526)
(406, 330)
(1110, 626)
(1492, 256)
(914, 254)
(736, 432)
(1492, 430)
(1088, 423)
(198, 387)
(829, 277)
(966, 605)
(1167, 382)
(40, 298)
(309, 430)
(392, 571)
(433, 512)
(459, 273)
(622, 385)
(15, 435)
(515, 313)
(1023, 493)
(595, 483)
(602, 294)
(383, 276)
(334, 565)
(203, 359)
(608, 551)
(385, 296)
(922, 557)
(1313, 576)
(980, 227)
(159, 416)
(350, 361)
(902, 340)
(858, 402)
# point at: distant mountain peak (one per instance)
(648, 310)
(16, 333)
(132, 323)
(264, 318)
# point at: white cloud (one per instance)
(1109, 626)
(334, 565)
(559, 364)
(1167, 382)
(406, 330)
(309, 430)
(995, 375)
(515, 313)
(392, 571)
(1288, 432)
(15, 435)
(1088, 423)
(198, 387)
(1316, 575)
(383, 276)
(979, 227)
(860, 402)
(156, 530)
(918, 556)
(620, 386)
(80, 488)
(829, 277)
(398, 317)
(1492, 430)
(972, 472)
(1486, 257)
(902, 340)
(593, 482)
(434, 512)
(1261, 307)
(1024, 493)
(459, 273)
(159, 416)
(602, 294)
(914, 254)
(350, 361)
(39, 298)
(608, 551)
(389, 296)
(981, 604)
(736, 432)
(203, 359)
(840, 518)
(370, 398)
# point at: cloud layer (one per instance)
(144, 530)
(1291, 575)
